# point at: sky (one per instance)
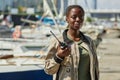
(109, 4)
(101, 4)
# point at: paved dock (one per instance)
(109, 59)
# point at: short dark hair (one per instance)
(68, 9)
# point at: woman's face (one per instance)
(75, 18)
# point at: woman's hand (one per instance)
(63, 52)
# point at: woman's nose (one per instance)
(77, 18)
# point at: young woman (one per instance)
(77, 61)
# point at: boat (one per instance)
(113, 32)
(22, 60)
(5, 31)
(19, 58)
(48, 21)
(38, 32)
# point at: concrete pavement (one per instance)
(109, 59)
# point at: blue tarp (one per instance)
(25, 75)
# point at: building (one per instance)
(94, 8)
(99, 8)
(6, 5)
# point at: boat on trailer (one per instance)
(22, 61)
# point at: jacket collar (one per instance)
(68, 41)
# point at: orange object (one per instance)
(17, 33)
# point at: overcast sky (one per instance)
(101, 4)
(109, 4)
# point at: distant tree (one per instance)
(21, 9)
(89, 19)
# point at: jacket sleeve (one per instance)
(51, 65)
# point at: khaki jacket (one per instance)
(68, 68)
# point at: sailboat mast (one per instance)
(54, 7)
(48, 11)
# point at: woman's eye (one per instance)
(74, 17)
(80, 17)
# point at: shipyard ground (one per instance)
(109, 59)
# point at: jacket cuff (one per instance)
(58, 59)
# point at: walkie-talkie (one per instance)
(62, 44)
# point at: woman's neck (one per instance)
(74, 35)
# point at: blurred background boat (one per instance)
(21, 58)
